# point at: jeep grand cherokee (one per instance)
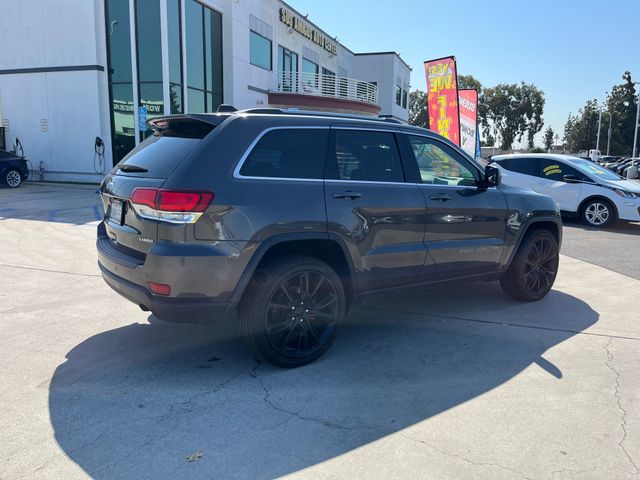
(281, 220)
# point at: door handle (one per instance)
(347, 195)
(442, 197)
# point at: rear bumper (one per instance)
(202, 277)
(180, 310)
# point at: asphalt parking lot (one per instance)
(446, 382)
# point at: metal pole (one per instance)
(635, 129)
(632, 171)
(609, 132)
(599, 121)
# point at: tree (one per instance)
(469, 81)
(581, 130)
(621, 104)
(548, 138)
(418, 110)
(513, 110)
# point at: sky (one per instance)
(573, 50)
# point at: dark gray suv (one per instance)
(281, 220)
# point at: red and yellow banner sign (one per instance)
(468, 99)
(442, 97)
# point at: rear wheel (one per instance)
(534, 268)
(292, 310)
(13, 178)
(598, 213)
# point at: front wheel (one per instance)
(292, 310)
(13, 178)
(534, 268)
(598, 213)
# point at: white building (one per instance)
(74, 70)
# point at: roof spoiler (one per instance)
(226, 108)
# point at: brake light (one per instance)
(173, 206)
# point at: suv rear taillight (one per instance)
(173, 206)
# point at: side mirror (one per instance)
(491, 176)
(571, 179)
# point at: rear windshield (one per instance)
(158, 155)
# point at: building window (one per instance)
(398, 95)
(148, 38)
(310, 72)
(287, 70)
(203, 28)
(328, 82)
(174, 34)
(260, 51)
(404, 98)
(120, 78)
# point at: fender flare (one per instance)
(270, 242)
(531, 223)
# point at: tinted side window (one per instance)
(288, 153)
(552, 170)
(526, 166)
(441, 165)
(366, 156)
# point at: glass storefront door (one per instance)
(287, 70)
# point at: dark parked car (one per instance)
(282, 220)
(13, 169)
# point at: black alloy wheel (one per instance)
(292, 310)
(541, 266)
(534, 267)
(302, 314)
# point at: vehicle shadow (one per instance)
(625, 228)
(135, 401)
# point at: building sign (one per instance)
(468, 99)
(127, 107)
(306, 30)
(442, 97)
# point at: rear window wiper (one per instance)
(128, 167)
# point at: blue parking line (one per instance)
(6, 212)
(52, 215)
(97, 213)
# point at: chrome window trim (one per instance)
(247, 152)
(370, 182)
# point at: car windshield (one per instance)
(590, 168)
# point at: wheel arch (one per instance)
(598, 197)
(549, 224)
(327, 248)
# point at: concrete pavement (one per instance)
(446, 382)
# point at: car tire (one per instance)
(598, 213)
(534, 267)
(13, 178)
(292, 310)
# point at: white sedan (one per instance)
(579, 186)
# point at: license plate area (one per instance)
(116, 211)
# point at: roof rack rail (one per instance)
(312, 113)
